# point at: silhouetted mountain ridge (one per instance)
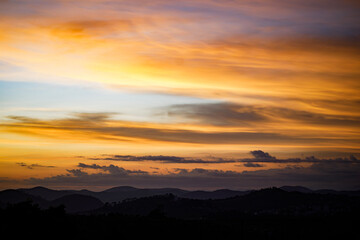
(14, 196)
(76, 203)
(121, 189)
(257, 215)
(183, 203)
(120, 193)
(46, 193)
(296, 189)
(274, 201)
(73, 203)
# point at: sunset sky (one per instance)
(200, 94)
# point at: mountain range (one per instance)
(77, 201)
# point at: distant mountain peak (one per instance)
(296, 189)
(39, 187)
(121, 189)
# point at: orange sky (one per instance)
(194, 79)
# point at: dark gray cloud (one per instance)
(258, 156)
(338, 173)
(231, 114)
(201, 172)
(34, 165)
(335, 175)
(93, 117)
(77, 172)
(190, 136)
(96, 126)
(221, 114)
(253, 165)
(162, 159)
(111, 169)
(264, 157)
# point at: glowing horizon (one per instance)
(189, 79)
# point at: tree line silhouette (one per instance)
(265, 214)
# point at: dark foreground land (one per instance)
(264, 214)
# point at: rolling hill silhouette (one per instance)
(120, 193)
(46, 193)
(76, 203)
(271, 213)
(73, 203)
(12, 196)
(266, 201)
(182, 203)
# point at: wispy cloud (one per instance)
(248, 47)
(258, 156)
(111, 169)
(253, 165)
(279, 74)
(100, 126)
(337, 175)
(33, 165)
(161, 158)
(232, 114)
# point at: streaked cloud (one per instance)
(33, 165)
(230, 76)
(162, 45)
(253, 165)
(231, 114)
(111, 169)
(162, 159)
(319, 175)
(99, 126)
(258, 156)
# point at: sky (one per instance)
(200, 94)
